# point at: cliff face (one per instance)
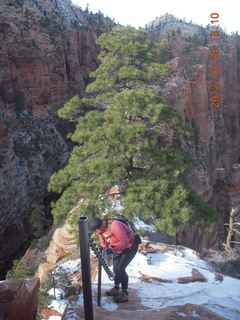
(48, 48)
(217, 139)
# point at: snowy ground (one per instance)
(220, 297)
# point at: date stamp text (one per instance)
(214, 61)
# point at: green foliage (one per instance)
(201, 211)
(39, 221)
(118, 138)
(141, 232)
(18, 271)
(44, 299)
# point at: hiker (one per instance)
(122, 242)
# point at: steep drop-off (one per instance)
(48, 48)
(216, 142)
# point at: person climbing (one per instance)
(122, 242)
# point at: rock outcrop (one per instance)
(216, 139)
(19, 299)
(48, 48)
(188, 311)
(63, 242)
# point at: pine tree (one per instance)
(118, 137)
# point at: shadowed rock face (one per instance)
(19, 299)
(217, 138)
(48, 48)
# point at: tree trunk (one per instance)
(231, 227)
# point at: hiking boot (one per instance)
(113, 292)
(122, 297)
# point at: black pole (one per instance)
(86, 268)
(99, 283)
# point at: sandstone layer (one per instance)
(63, 242)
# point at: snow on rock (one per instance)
(219, 297)
(70, 266)
(139, 224)
(57, 304)
(57, 293)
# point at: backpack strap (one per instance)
(110, 227)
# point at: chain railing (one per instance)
(98, 253)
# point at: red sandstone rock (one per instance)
(134, 311)
(147, 278)
(173, 64)
(218, 277)
(114, 192)
(145, 247)
(196, 276)
(216, 130)
(19, 299)
(48, 313)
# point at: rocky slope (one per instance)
(217, 138)
(48, 48)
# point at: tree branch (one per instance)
(236, 231)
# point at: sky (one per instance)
(138, 13)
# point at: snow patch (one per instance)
(139, 224)
(57, 293)
(219, 297)
(70, 266)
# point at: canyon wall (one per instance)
(48, 48)
(216, 141)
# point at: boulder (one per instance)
(19, 299)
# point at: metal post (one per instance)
(86, 268)
(99, 283)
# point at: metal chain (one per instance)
(98, 253)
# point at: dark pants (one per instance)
(120, 262)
